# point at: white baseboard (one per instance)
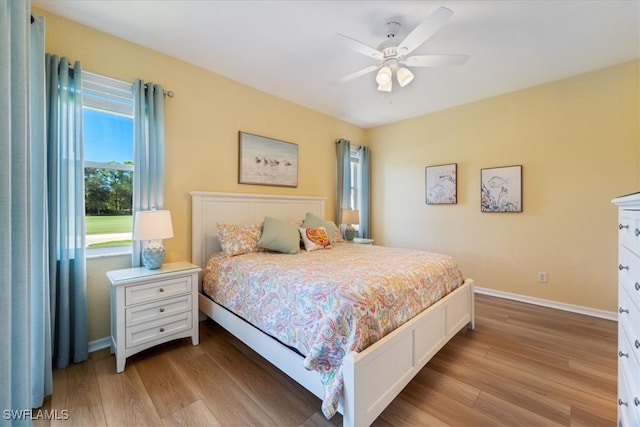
(608, 315)
(99, 344)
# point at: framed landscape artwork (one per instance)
(267, 161)
(501, 189)
(441, 186)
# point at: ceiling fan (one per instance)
(393, 57)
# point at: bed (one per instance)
(370, 378)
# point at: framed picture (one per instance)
(441, 186)
(501, 189)
(267, 161)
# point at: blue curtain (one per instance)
(25, 353)
(343, 178)
(148, 152)
(67, 268)
(365, 202)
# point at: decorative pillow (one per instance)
(315, 238)
(239, 239)
(312, 221)
(279, 236)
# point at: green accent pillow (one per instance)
(312, 221)
(279, 236)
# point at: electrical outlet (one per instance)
(542, 277)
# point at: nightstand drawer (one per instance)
(157, 310)
(157, 290)
(158, 329)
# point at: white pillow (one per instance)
(315, 238)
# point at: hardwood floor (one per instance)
(523, 365)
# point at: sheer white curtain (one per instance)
(25, 355)
(148, 152)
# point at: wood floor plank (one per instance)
(259, 384)
(124, 397)
(219, 392)
(76, 391)
(522, 365)
(195, 415)
(167, 388)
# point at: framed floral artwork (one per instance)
(501, 189)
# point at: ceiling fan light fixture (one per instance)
(385, 87)
(404, 76)
(384, 75)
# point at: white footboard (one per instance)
(376, 375)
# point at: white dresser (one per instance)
(149, 307)
(628, 310)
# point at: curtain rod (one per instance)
(167, 93)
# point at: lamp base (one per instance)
(153, 256)
(349, 233)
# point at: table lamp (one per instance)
(350, 217)
(151, 227)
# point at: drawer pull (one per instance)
(637, 232)
(620, 267)
(620, 226)
(162, 330)
(162, 310)
(637, 344)
(636, 401)
(621, 354)
(621, 403)
(637, 286)
(623, 310)
(162, 289)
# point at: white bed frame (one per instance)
(372, 377)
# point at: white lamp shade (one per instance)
(350, 216)
(404, 76)
(385, 87)
(152, 225)
(384, 75)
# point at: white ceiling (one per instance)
(289, 48)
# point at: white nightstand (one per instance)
(362, 241)
(149, 307)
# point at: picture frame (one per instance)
(501, 189)
(441, 184)
(266, 161)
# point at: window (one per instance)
(107, 122)
(355, 178)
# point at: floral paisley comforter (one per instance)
(330, 302)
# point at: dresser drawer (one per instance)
(158, 329)
(628, 267)
(157, 290)
(628, 399)
(628, 328)
(157, 310)
(629, 229)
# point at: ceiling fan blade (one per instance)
(434, 60)
(426, 29)
(356, 74)
(360, 47)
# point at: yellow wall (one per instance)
(201, 128)
(578, 140)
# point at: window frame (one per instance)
(111, 96)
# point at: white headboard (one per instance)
(208, 209)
